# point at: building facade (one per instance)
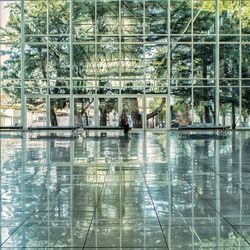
(164, 63)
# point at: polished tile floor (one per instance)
(150, 191)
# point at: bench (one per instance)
(19, 129)
(73, 129)
(214, 128)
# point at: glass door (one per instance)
(84, 111)
(108, 112)
(132, 108)
(155, 112)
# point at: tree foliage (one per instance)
(43, 61)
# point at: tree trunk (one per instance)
(103, 117)
(207, 116)
(223, 120)
(201, 118)
(158, 110)
(233, 116)
(53, 119)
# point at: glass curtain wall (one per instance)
(190, 55)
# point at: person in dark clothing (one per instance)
(126, 129)
(123, 120)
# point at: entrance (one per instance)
(156, 112)
(142, 112)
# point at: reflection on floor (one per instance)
(152, 191)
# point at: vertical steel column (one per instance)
(168, 67)
(217, 61)
(23, 108)
(192, 119)
(71, 102)
(47, 62)
(217, 188)
(192, 61)
(144, 124)
(95, 67)
(71, 122)
(169, 238)
(240, 67)
(120, 56)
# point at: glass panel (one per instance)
(155, 17)
(229, 38)
(35, 87)
(229, 107)
(181, 61)
(155, 86)
(180, 16)
(245, 18)
(35, 112)
(108, 39)
(246, 83)
(59, 87)
(229, 82)
(229, 60)
(10, 21)
(245, 109)
(156, 112)
(59, 60)
(133, 109)
(108, 86)
(59, 112)
(84, 111)
(181, 38)
(181, 82)
(204, 17)
(83, 60)
(156, 61)
(132, 17)
(203, 61)
(10, 61)
(10, 105)
(59, 18)
(204, 83)
(132, 86)
(83, 19)
(84, 87)
(59, 153)
(180, 106)
(204, 38)
(245, 66)
(229, 17)
(132, 64)
(108, 60)
(204, 105)
(107, 17)
(35, 17)
(35, 61)
(107, 109)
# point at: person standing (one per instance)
(123, 119)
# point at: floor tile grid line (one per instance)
(211, 205)
(235, 185)
(158, 219)
(32, 213)
(97, 203)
